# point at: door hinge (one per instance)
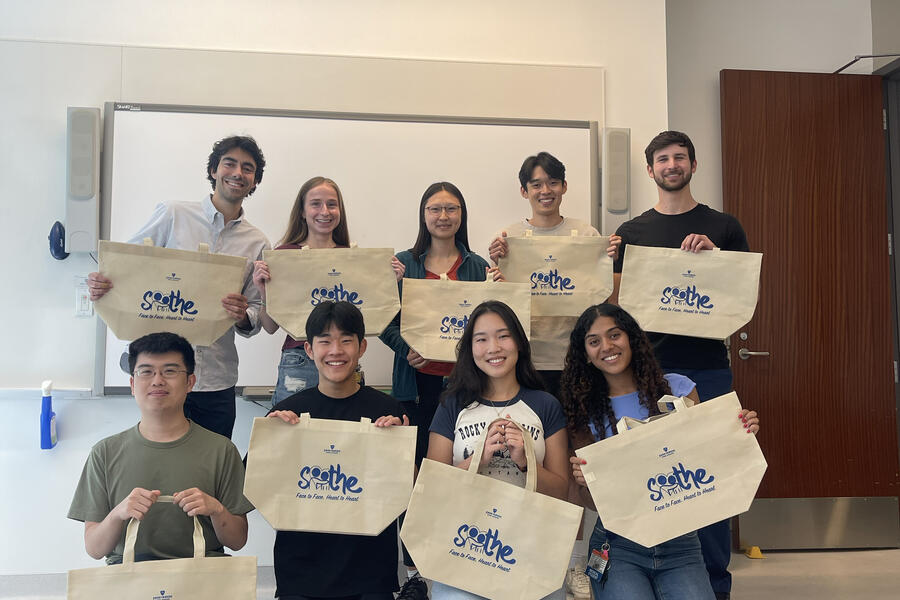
(884, 119)
(890, 244)
(896, 379)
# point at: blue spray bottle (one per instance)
(48, 417)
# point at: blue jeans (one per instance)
(296, 372)
(439, 591)
(715, 539)
(672, 570)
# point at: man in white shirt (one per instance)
(543, 184)
(234, 169)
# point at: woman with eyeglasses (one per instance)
(442, 247)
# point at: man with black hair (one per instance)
(542, 180)
(234, 169)
(164, 454)
(679, 221)
(318, 565)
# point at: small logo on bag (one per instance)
(163, 596)
(679, 481)
(454, 324)
(551, 280)
(685, 299)
(331, 450)
(334, 273)
(666, 452)
(173, 277)
(465, 304)
(483, 545)
(329, 479)
(549, 259)
(689, 274)
(167, 305)
(334, 293)
(494, 513)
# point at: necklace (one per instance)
(506, 404)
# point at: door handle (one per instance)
(745, 354)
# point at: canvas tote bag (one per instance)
(674, 475)
(708, 294)
(163, 289)
(329, 476)
(486, 536)
(198, 578)
(435, 312)
(301, 279)
(566, 273)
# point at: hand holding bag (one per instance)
(486, 536)
(434, 312)
(707, 294)
(197, 578)
(676, 474)
(301, 279)
(163, 289)
(566, 273)
(329, 476)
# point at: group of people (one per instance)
(567, 385)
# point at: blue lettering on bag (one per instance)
(334, 293)
(687, 295)
(486, 541)
(552, 280)
(168, 302)
(679, 480)
(332, 478)
(456, 324)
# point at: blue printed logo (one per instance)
(173, 277)
(454, 324)
(484, 541)
(334, 293)
(465, 304)
(331, 450)
(665, 485)
(330, 478)
(494, 513)
(551, 280)
(168, 302)
(163, 596)
(666, 452)
(685, 296)
(689, 274)
(334, 273)
(549, 259)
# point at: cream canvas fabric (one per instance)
(487, 536)
(197, 578)
(708, 294)
(162, 289)
(671, 476)
(329, 476)
(301, 279)
(566, 273)
(436, 311)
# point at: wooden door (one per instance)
(804, 171)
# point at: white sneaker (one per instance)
(578, 584)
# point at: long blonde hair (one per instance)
(298, 230)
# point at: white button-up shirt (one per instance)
(184, 225)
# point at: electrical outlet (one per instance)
(83, 306)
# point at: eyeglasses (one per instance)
(451, 210)
(150, 372)
(538, 184)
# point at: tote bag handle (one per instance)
(131, 533)
(530, 460)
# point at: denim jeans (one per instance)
(296, 372)
(715, 539)
(672, 570)
(439, 591)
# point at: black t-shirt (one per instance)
(331, 564)
(668, 231)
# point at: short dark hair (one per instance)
(423, 241)
(343, 315)
(245, 143)
(667, 138)
(161, 343)
(549, 163)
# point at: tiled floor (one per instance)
(869, 574)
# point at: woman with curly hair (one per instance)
(610, 372)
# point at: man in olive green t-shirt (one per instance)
(164, 454)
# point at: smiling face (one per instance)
(494, 347)
(235, 177)
(443, 215)
(158, 394)
(608, 347)
(336, 354)
(544, 193)
(322, 210)
(672, 168)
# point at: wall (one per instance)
(58, 54)
(705, 36)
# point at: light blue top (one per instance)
(629, 405)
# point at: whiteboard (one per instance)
(382, 163)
